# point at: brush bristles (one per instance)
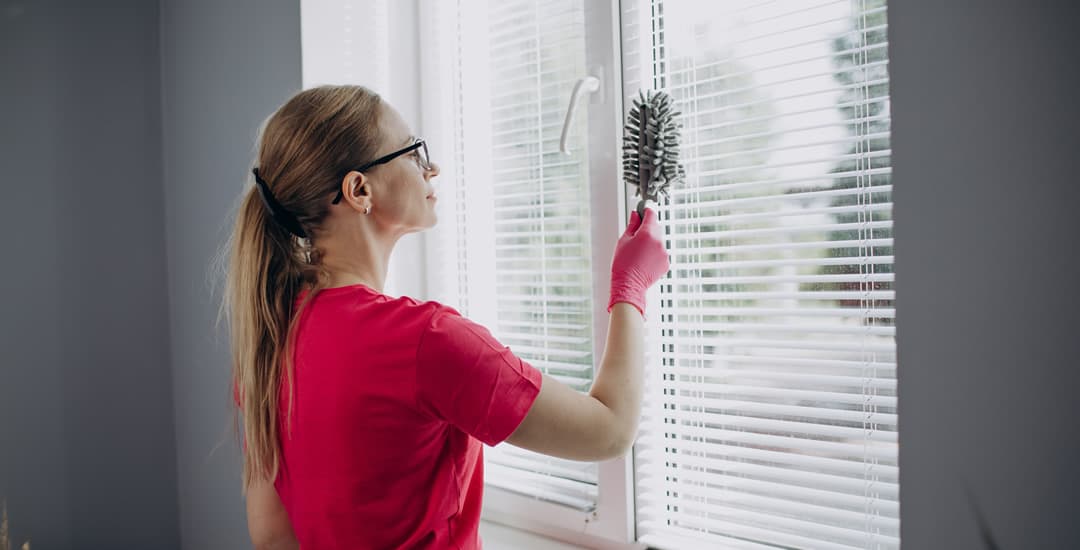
(661, 160)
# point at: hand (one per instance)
(640, 260)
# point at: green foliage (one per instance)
(861, 61)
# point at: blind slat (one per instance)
(774, 231)
(770, 199)
(802, 94)
(663, 536)
(539, 486)
(845, 485)
(746, 248)
(551, 325)
(816, 262)
(806, 503)
(560, 365)
(814, 463)
(770, 134)
(762, 362)
(752, 165)
(778, 393)
(773, 524)
(542, 465)
(756, 327)
(773, 345)
(770, 409)
(882, 419)
(789, 427)
(718, 298)
(541, 338)
(543, 351)
(814, 379)
(653, 525)
(763, 83)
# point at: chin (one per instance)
(431, 221)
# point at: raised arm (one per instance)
(566, 423)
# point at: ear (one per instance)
(356, 187)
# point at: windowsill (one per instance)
(502, 537)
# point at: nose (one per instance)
(433, 171)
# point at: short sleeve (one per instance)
(467, 378)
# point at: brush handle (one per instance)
(645, 164)
(640, 260)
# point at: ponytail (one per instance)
(265, 275)
(305, 148)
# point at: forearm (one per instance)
(619, 383)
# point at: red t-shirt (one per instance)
(393, 398)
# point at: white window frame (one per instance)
(612, 523)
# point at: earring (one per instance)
(367, 210)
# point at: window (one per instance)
(770, 415)
(515, 247)
(535, 269)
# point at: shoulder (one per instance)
(395, 317)
(431, 307)
(429, 320)
(449, 333)
(429, 312)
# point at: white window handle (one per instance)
(588, 84)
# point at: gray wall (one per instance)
(984, 106)
(94, 212)
(87, 456)
(984, 131)
(225, 67)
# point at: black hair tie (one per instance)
(282, 216)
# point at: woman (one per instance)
(362, 414)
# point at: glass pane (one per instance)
(772, 403)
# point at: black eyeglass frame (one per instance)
(425, 162)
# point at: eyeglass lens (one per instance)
(425, 160)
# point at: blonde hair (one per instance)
(305, 148)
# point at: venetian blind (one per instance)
(520, 210)
(770, 417)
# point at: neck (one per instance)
(361, 258)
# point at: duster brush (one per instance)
(651, 147)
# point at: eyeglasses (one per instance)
(422, 159)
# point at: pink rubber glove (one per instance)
(640, 260)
